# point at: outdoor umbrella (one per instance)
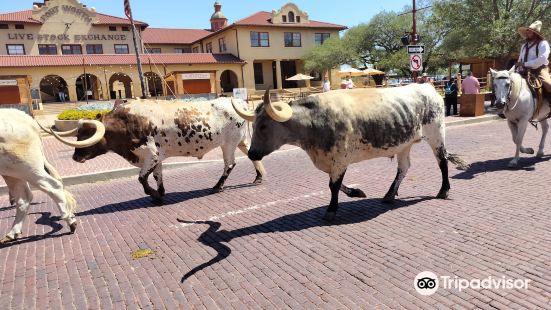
(351, 72)
(300, 77)
(370, 71)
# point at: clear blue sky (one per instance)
(196, 13)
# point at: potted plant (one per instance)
(68, 119)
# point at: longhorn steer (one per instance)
(146, 132)
(22, 162)
(342, 127)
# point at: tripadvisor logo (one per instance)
(427, 283)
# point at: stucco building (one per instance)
(64, 46)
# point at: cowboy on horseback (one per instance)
(534, 55)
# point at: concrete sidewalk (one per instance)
(112, 166)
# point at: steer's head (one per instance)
(90, 139)
(270, 129)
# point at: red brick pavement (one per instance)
(273, 250)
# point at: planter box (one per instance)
(471, 105)
(62, 125)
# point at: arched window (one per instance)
(291, 17)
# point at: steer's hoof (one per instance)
(513, 164)
(540, 154)
(527, 150)
(216, 190)
(357, 193)
(443, 194)
(389, 199)
(330, 216)
(73, 227)
(258, 180)
(7, 239)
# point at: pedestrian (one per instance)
(450, 97)
(326, 84)
(61, 94)
(349, 83)
(534, 54)
(470, 84)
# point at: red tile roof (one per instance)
(11, 61)
(27, 17)
(265, 19)
(173, 36)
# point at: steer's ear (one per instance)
(98, 117)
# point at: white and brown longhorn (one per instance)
(22, 163)
(145, 132)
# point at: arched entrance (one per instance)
(50, 88)
(228, 81)
(88, 86)
(154, 84)
(120, 86)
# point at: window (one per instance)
(208, 47)
(94, 49)
(71, 49)
(260, 39)
(152, 50)
(121, 49)
(258, 73)
(112, 28)
(298, 19)
(292, 39)
(196, 49)
(222, 44)
(19, 26)
(47, 49)
(321, 37)
(16, 49)
(291, 17)
(182, 50)
(284, 18)
(4, 26)
(125, 28)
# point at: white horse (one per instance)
(514, 96)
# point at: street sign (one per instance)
(416, 49)
(416, 62)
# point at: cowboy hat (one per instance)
(535, 28)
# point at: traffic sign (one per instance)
(416, 49)
(416, 62)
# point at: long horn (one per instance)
(248, 116)
(69, 133)
(100, 132)
(278, 111)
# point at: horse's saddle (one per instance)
(539, 92)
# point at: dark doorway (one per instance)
(274, 74)
(288, 69)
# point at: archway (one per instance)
(228, 81)
(50, 88)
(154, 84)
(121, 86)
(89, 87)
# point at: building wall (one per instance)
(63, 27)
(167, 48)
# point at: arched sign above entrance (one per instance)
(65, 7)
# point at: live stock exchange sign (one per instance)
(66, 37)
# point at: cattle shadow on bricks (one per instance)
(146, 202)
(495, 165)
(349, 213)
(45, 219)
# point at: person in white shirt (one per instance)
(534, 54)
(326, 84)
(350, 83)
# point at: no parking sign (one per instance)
(416, 62)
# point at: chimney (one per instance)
(218, 20)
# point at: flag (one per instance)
(127, 9)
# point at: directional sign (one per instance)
(416, 49)
(416, 62)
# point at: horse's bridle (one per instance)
(506, 105)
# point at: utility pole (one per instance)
(414, 35)
(128, 13)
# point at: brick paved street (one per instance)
(267, 247)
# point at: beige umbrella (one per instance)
(351, 72)
(300, 77)
(371, 71)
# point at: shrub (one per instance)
(74, 115)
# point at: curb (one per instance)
(132, 172)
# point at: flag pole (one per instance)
(128, 13)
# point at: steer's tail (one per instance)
(457, 161)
